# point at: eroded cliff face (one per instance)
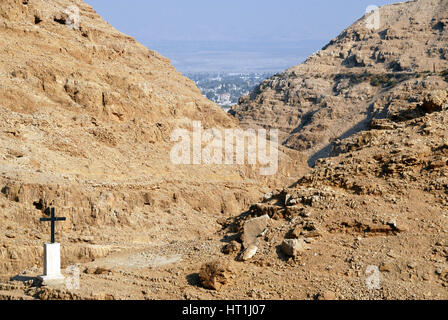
(86, 115)
(362, 74)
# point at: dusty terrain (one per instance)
(370, 222)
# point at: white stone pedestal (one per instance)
(52, 265)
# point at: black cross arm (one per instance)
(53, 219)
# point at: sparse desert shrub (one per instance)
(375, 82)
(354, 78)
(391, 82)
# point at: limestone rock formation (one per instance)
(362, 74)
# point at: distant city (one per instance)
(227, 70)
(226, 88)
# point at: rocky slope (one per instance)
(370, 222)
(362, 74)
(86, 115)
(379, 206)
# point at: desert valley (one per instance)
(358, 208)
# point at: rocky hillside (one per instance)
(86, 115)
(360, 75)
(369, 223)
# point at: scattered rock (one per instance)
(311, 234)
(273, 211)
(294, 210)
(435, 100)
(217, 274)
(386, 267)
(268, 196)
(88, 239)
(296, 232)
(438, 163)
(249, 252)
(253, 229)
(232, 247)
(89, 270)
(287, 197)
(299, 231)
(382, 124)
(294, 247)
(305, 213)
(412, 265)
(100, 270)
(96, 270)
(10, 235)
(325, 295)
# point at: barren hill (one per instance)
(362, 74)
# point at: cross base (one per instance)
(52, 280)
(52, 265)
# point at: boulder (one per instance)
(249, 252)
(326, 295)
(253, 229)
(434, 101)
(273, 211)
(294, 247)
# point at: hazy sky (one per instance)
(245, 21)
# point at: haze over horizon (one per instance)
(233, 36)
